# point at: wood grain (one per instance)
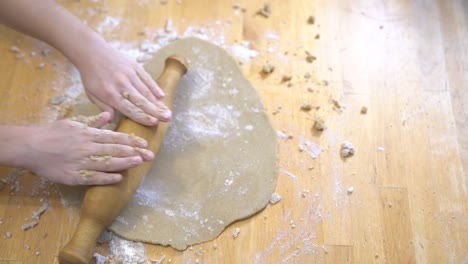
(406, 61)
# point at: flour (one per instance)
(310, 148)
(124, 251)
(243, 53)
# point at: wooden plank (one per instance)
(397, 230)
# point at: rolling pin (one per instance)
(102, 204)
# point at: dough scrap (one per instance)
(217, 163)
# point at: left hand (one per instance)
(115, 82)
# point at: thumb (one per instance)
(101, 120)
(103, 106)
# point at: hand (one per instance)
(112, 81)
(74, 153)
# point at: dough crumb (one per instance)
(86, 120)
(57, 99)
(310, 58)
(275, 198)
(319, 124)
(45, 51)
(236, 232)
(265, 11)
(30, 225)
(37, 214)
(277, 110)
(38, 253)
(20, 56)
(286, 78)
(215, 246)
(100, 259)
(168, 26)
(86, 173)
(363, 110)
(268, 68)
(236, 6)
(14, 49)
(350, 190)
(139, 150)
(292, 225)
(8, 235)
(169, 212)
(336, 104)
(306, 107)
(311, 20)
(27, 247)
(305, 192)
(347, 149)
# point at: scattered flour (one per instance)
(236, 232)
(125, 251)
(309, 147)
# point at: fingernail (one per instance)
(137, 160)
(167, 114)
(115, 178)
(149, 156)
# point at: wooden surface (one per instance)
(406, 61)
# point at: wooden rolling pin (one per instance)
(102, 204)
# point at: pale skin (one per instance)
(67, 151)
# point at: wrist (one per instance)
(14, 142)
(87, 45)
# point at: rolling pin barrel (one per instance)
(102, 204)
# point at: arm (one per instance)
(111, 80)
(72, 153)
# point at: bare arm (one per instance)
(111, 80)
(72, 153)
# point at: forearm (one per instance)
(13, 140)
(50, 22)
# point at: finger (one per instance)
(96, 121)
(136, 114)
(104, 107)
(89, 177)
(144, 90)
(120, 151)
(114, 164)
(111, 137)
(150, 83)
(157, 109)
(103, 119)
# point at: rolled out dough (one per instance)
(217, 164)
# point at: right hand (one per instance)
(74, 153)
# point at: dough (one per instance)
(217, 164)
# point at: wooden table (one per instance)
(406, 61)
